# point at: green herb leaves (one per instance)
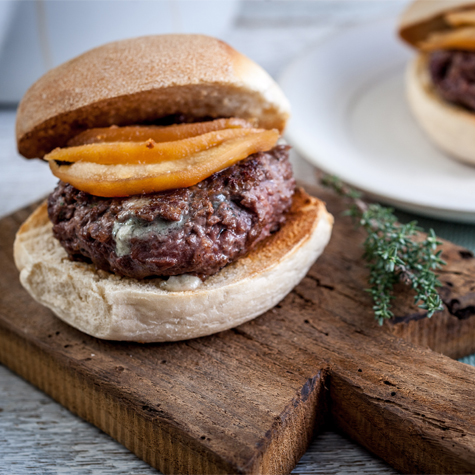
(394, 253)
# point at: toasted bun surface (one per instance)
(117, 308)
(451, 127)
(423, 17)
(140, 80)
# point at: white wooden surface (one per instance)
(39, 436)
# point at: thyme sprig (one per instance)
(393, 254)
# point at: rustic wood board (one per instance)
(248, 400)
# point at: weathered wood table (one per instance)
(37, 434)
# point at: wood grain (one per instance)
(247, 400)
(40, 436)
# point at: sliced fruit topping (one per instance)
(461, 38)
(461, 18)
(156, 133)
(125, 180)
(148, 151)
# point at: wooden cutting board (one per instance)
(248, 400)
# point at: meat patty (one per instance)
(453, 75)
(195, 230)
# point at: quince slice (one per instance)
(126, 180)
(460, 18)
(460, 38)
(145, 152)
(158, 134)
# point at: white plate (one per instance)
(350, 118)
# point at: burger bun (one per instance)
(139, 80)
(450, 127)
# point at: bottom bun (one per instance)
(118, 308)
(451, 127)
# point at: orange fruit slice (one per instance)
(460, 18)
(461, 38)
(110, 153)
(158, 134)
(126, 180)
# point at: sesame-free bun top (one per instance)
(140, 80)
(423, 17)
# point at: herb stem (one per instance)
(394, 253)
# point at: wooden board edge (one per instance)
(443, 333)
(293, 431)
(284, 444)
(351, 407)
(147, 439)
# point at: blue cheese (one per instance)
(136, 228)
(217, 200)
(181, 283)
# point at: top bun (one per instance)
(422, 17)
(139, 80)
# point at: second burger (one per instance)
(441, 80)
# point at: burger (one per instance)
(441, 79)
(176, 214)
